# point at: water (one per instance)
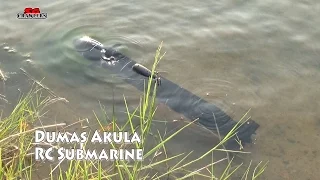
(262, 55)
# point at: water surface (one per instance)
(262, 55)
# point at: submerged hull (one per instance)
(169, 93)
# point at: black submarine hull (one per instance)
(177, 98)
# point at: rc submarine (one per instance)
(171, 94)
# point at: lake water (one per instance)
(262, 55)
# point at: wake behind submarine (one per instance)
(177, 98)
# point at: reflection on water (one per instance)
(262, 55)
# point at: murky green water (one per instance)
(261, 54)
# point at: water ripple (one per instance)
(60, 59)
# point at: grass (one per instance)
(16, 145)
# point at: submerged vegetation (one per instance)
(17, 145)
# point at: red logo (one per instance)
(31, 10)
(32, 13)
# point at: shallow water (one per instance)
(262, 55)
